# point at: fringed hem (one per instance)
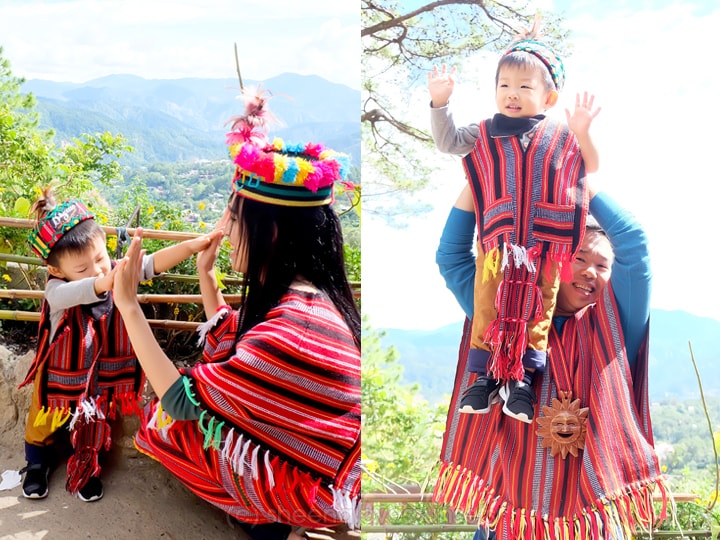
(88, 409)
(622, 512)
(347, 507)
(246, 456)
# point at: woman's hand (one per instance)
(209, 254)
(127, 275)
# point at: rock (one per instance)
(14, 403)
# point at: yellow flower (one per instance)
(102, 218)
(201, 206)
(149, 282)
(158, 224)
(112, 243)
(7, 277)
(202, 224)
(150, 209)
(176, 311)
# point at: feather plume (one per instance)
(252, 125)
(534, 32)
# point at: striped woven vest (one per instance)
(529, 197)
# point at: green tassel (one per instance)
(218, 435)
(189, 392)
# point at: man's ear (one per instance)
(552, 99)
(55, 271)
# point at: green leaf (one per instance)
(22, 207)
(219, 276)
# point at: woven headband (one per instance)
(546, 55)
(55, 224)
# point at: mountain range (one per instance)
(169, 120)
(429, 358)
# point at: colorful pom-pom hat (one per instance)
(277, 172)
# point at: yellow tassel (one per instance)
(523, 523)
(59, 417)
(163, 419)
(491, 264)
(41, 417)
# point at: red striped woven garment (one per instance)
(529, 197)
(279, 439)
(494, 468)
(532, 204)
(89, 374)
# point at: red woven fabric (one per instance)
(494, 468)
(531, 205)
(279, 439)
(89, 370)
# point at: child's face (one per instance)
(521, 92)
(93, 261)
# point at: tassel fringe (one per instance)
(208, 325)
(618, 516)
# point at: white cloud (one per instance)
(77, 40)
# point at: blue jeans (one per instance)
(480, 535)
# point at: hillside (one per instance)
(429, 357)
(169, 120)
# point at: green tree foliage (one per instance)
(399, 45)
(401, 433)
(31, 160)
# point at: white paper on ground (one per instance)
(10, 479)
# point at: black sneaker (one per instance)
(480, 396)
(92, 490)
(35, 485)
(519, 401)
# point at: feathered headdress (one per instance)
(273, 171)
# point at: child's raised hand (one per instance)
(104, 283)
(441, 84)
(579, 121)
(127, 274)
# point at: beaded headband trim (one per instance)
(277, 172)
(285, 174)
(546, 55)
(55, 224)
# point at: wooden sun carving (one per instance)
(563, 426)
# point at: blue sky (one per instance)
(78, 40)
(650, 66)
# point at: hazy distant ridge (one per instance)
(430, 357)
(184, 119)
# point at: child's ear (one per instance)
(55, 271)
(551, 99)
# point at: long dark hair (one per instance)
(283, 243)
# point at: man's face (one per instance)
(591, 271)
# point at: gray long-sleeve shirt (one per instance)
(448, 138)
(61, 295)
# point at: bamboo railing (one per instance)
(176, 236)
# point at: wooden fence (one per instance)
(176, 236)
